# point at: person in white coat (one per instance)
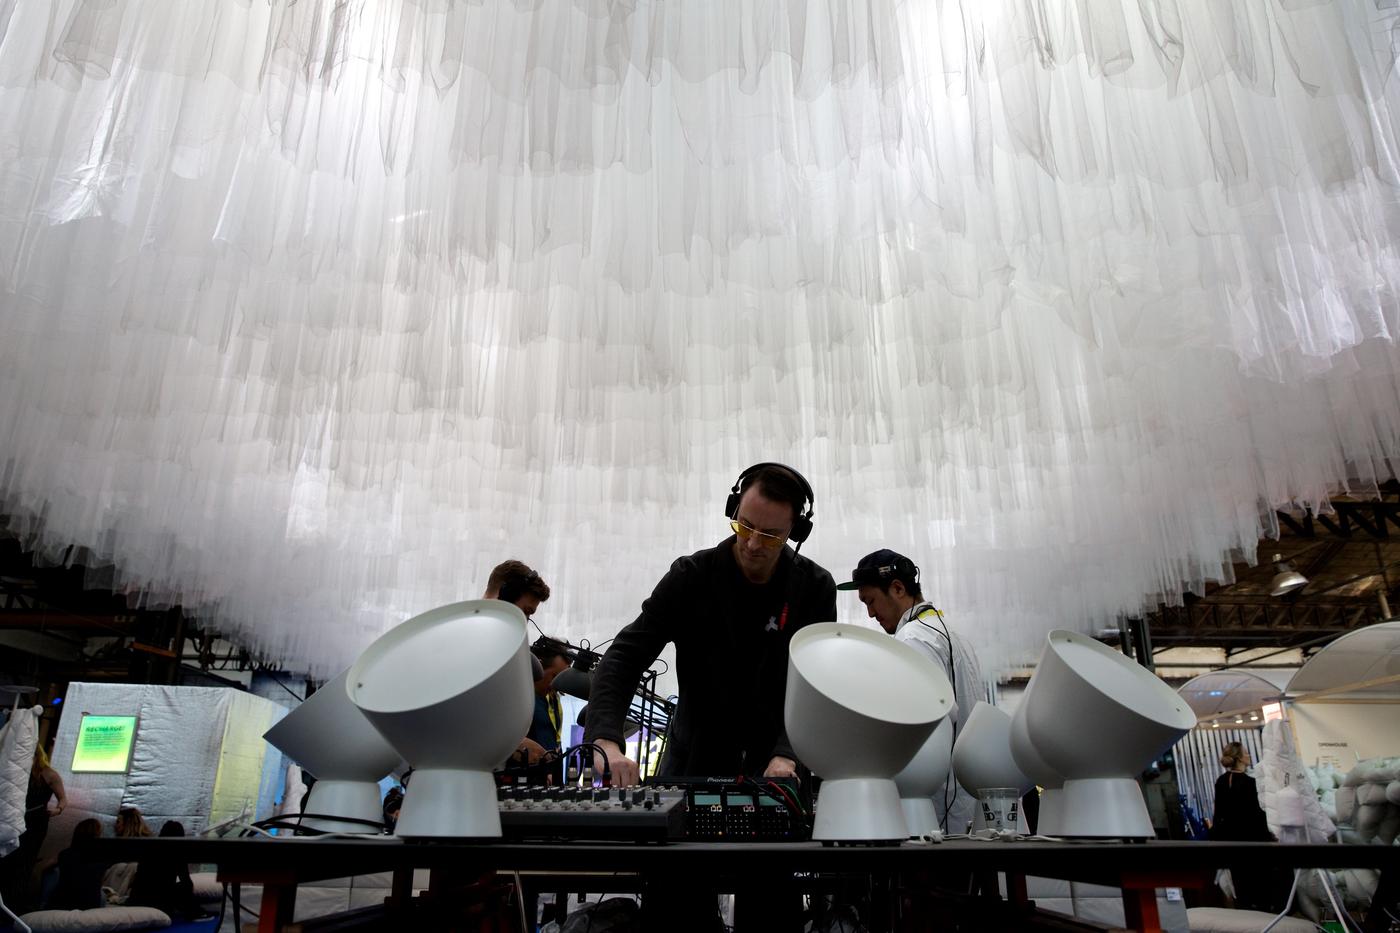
(888, 585)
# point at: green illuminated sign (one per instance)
(104, 744)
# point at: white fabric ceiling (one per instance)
(312, 312)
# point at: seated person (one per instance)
(166, 885)
(515, 582)
(79, 884)
(130, 824)
(544, 728)
(393, 803)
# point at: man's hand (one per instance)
(781, 767)
(530, 751)
(624, 769)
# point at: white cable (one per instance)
(525, 926)
(1334, 896)
(225, 824)
(1288, 905)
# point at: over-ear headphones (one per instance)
(905, 570)
(517, 586)
(802, 524)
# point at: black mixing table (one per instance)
(1138, 868)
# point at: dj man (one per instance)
(731, 611)
(888, 584)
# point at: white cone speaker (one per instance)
(1051, 782)
(982, 755)
(451, 690)
(925, 776)
(859, 706)
(331, 739)
(1096, 718)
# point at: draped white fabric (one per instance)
(313, 311)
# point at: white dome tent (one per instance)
(1344, 703)
(1229, 696)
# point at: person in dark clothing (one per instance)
(79, 880)
(45, 790)
(166, 885)
(515, 582)
(1239, 818)
(544, 728)
(45, 785)
(731, 611)
(17, 867)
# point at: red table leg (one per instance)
(1140, 909)
(279, 902)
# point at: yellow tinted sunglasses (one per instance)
(746, 531)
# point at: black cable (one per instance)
(280, 822)
(279, 683)
(585, 763)
(772, 794)
(794, 805)
(238, 904)
(951, 784)
(648, 703)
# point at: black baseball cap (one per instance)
(880, 568)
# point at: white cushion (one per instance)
(1371, 794)
(207, 886)
(97, 920)
(1346, 804)
(1224, 920)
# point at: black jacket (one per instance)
(731, 640)
(1238, 816)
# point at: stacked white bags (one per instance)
(1369, 800)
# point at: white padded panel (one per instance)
(17, 740)
(176, 753)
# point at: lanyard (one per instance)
(551, 704)
(922, 610)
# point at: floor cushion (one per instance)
(97, 920)
(1225, 920)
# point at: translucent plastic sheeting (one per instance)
(311, 312)
(1363, 664)
(1229, 693)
